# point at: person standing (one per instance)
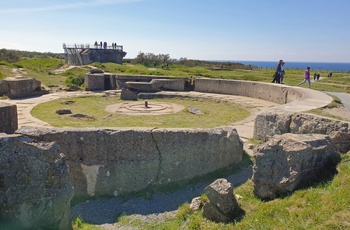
(277, 75)
(306, 77)
(282, 72)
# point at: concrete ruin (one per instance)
(102, 162)
(136, 83)
(20, 87)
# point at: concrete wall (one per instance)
(111, 162)
(266, 91)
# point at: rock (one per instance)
(96, 70)
(270, 123)
(341, 141)
(309, 123)
(222, 203)
(63, 111)
(194, 110)
(288, 161)
(196, 204)
(35, 189)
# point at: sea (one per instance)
(327, 66)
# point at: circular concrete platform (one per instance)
(144, 108)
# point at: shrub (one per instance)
(76, 80)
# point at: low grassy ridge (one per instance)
(95, 106)
(43, 70)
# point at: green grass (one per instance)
(80, 224)
(95, 106)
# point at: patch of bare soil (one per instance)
(19, 72)
(62, 69)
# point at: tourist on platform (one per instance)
(101, 44)
(306, 77)
(96, 44)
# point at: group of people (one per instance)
(317, 76)
(279, 74)
(104, 45)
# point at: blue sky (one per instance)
(298, 30)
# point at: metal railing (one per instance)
(92, 46)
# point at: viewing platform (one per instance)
(84, 54)
(90, 46)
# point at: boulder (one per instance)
(222, 204)
(35, 190)
(269, 123)
(288, 161)
(194, 110)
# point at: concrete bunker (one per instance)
(104, 161)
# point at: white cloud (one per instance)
(74, 5)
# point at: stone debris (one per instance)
(222, 204)
(289, 161)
